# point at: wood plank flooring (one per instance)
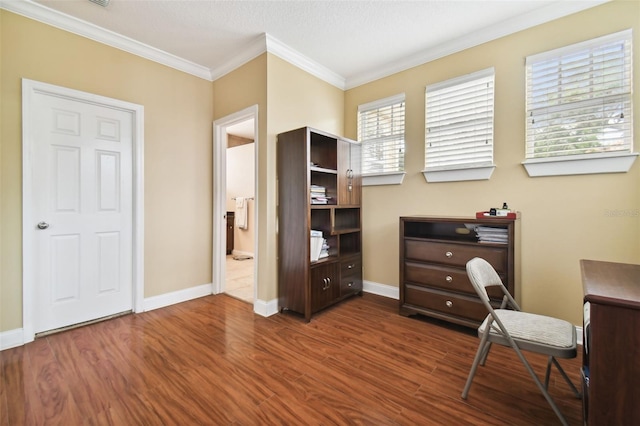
(211, 361)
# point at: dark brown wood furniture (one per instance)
(611, 343)
(434, 252)
(308, 157)
(230, 231)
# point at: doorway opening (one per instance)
(240, 202)
(235, 228)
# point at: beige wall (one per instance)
(177, 110)
(287, 98)
(178, 168)
(242, 88)
(564, 219)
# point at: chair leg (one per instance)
(576, 392)
(481, 353)
(539, 383)
(548, 373)
(485, 354)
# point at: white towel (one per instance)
(241, 212)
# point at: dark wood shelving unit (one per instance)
(309, 157)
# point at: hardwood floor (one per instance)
(211, 361)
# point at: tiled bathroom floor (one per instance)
(239, 282)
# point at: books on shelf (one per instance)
(319, 195)
(318, 246)
(490, 234)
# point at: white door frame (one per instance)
(29, 89)
(219, 227)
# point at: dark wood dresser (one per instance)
(611, 343)
(434, 252)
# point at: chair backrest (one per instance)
(482, 275)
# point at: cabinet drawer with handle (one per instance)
(351, 276)
(446, 278)
(455, 254)
(447, 304)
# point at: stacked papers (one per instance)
(489, 234)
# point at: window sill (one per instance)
(580, 165)
(457, 175)
(394, 178)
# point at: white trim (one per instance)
(219, 226)
(252, 50)
(385, 290)
(393, 178)
(378, 103)
(29, 87)
(487, 72)
(82, 28)
(283, 51)
(11, 339)
(579, 336)
(620, 36)
(178, 296)
(522, 22)
(459, 174)
(266, 308)
(579, 165)
(266, 43)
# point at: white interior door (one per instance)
(82, 211)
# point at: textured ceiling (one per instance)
(354, 39)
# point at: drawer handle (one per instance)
(449, 278)
(449, 254)
(351, 266)
(449, 303)
(350, 284)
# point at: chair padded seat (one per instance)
(533, 328)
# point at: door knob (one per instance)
(43, 225)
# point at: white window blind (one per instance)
(579, 99)
(381, 133)
(459, 122)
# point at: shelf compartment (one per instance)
(323, 151)
(346, 220)
(329, 181)
(349, 243)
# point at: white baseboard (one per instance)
(265, 308)
(579, 335)
(11, 339)
(167, 299)
(381, 289)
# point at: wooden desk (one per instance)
(611, 349)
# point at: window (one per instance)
(381, 133)
(459, 128)
(579, 106)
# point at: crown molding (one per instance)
(283, 51)
(266, 43)
(510, 26)
(82, 28)
(255, 48)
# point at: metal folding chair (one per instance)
(522, 331)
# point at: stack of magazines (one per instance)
(319, 195)
(318, 246)
(489, 234)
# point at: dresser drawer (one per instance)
(447, 304)
(444, 277)
(351, 276)
(455, 254)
